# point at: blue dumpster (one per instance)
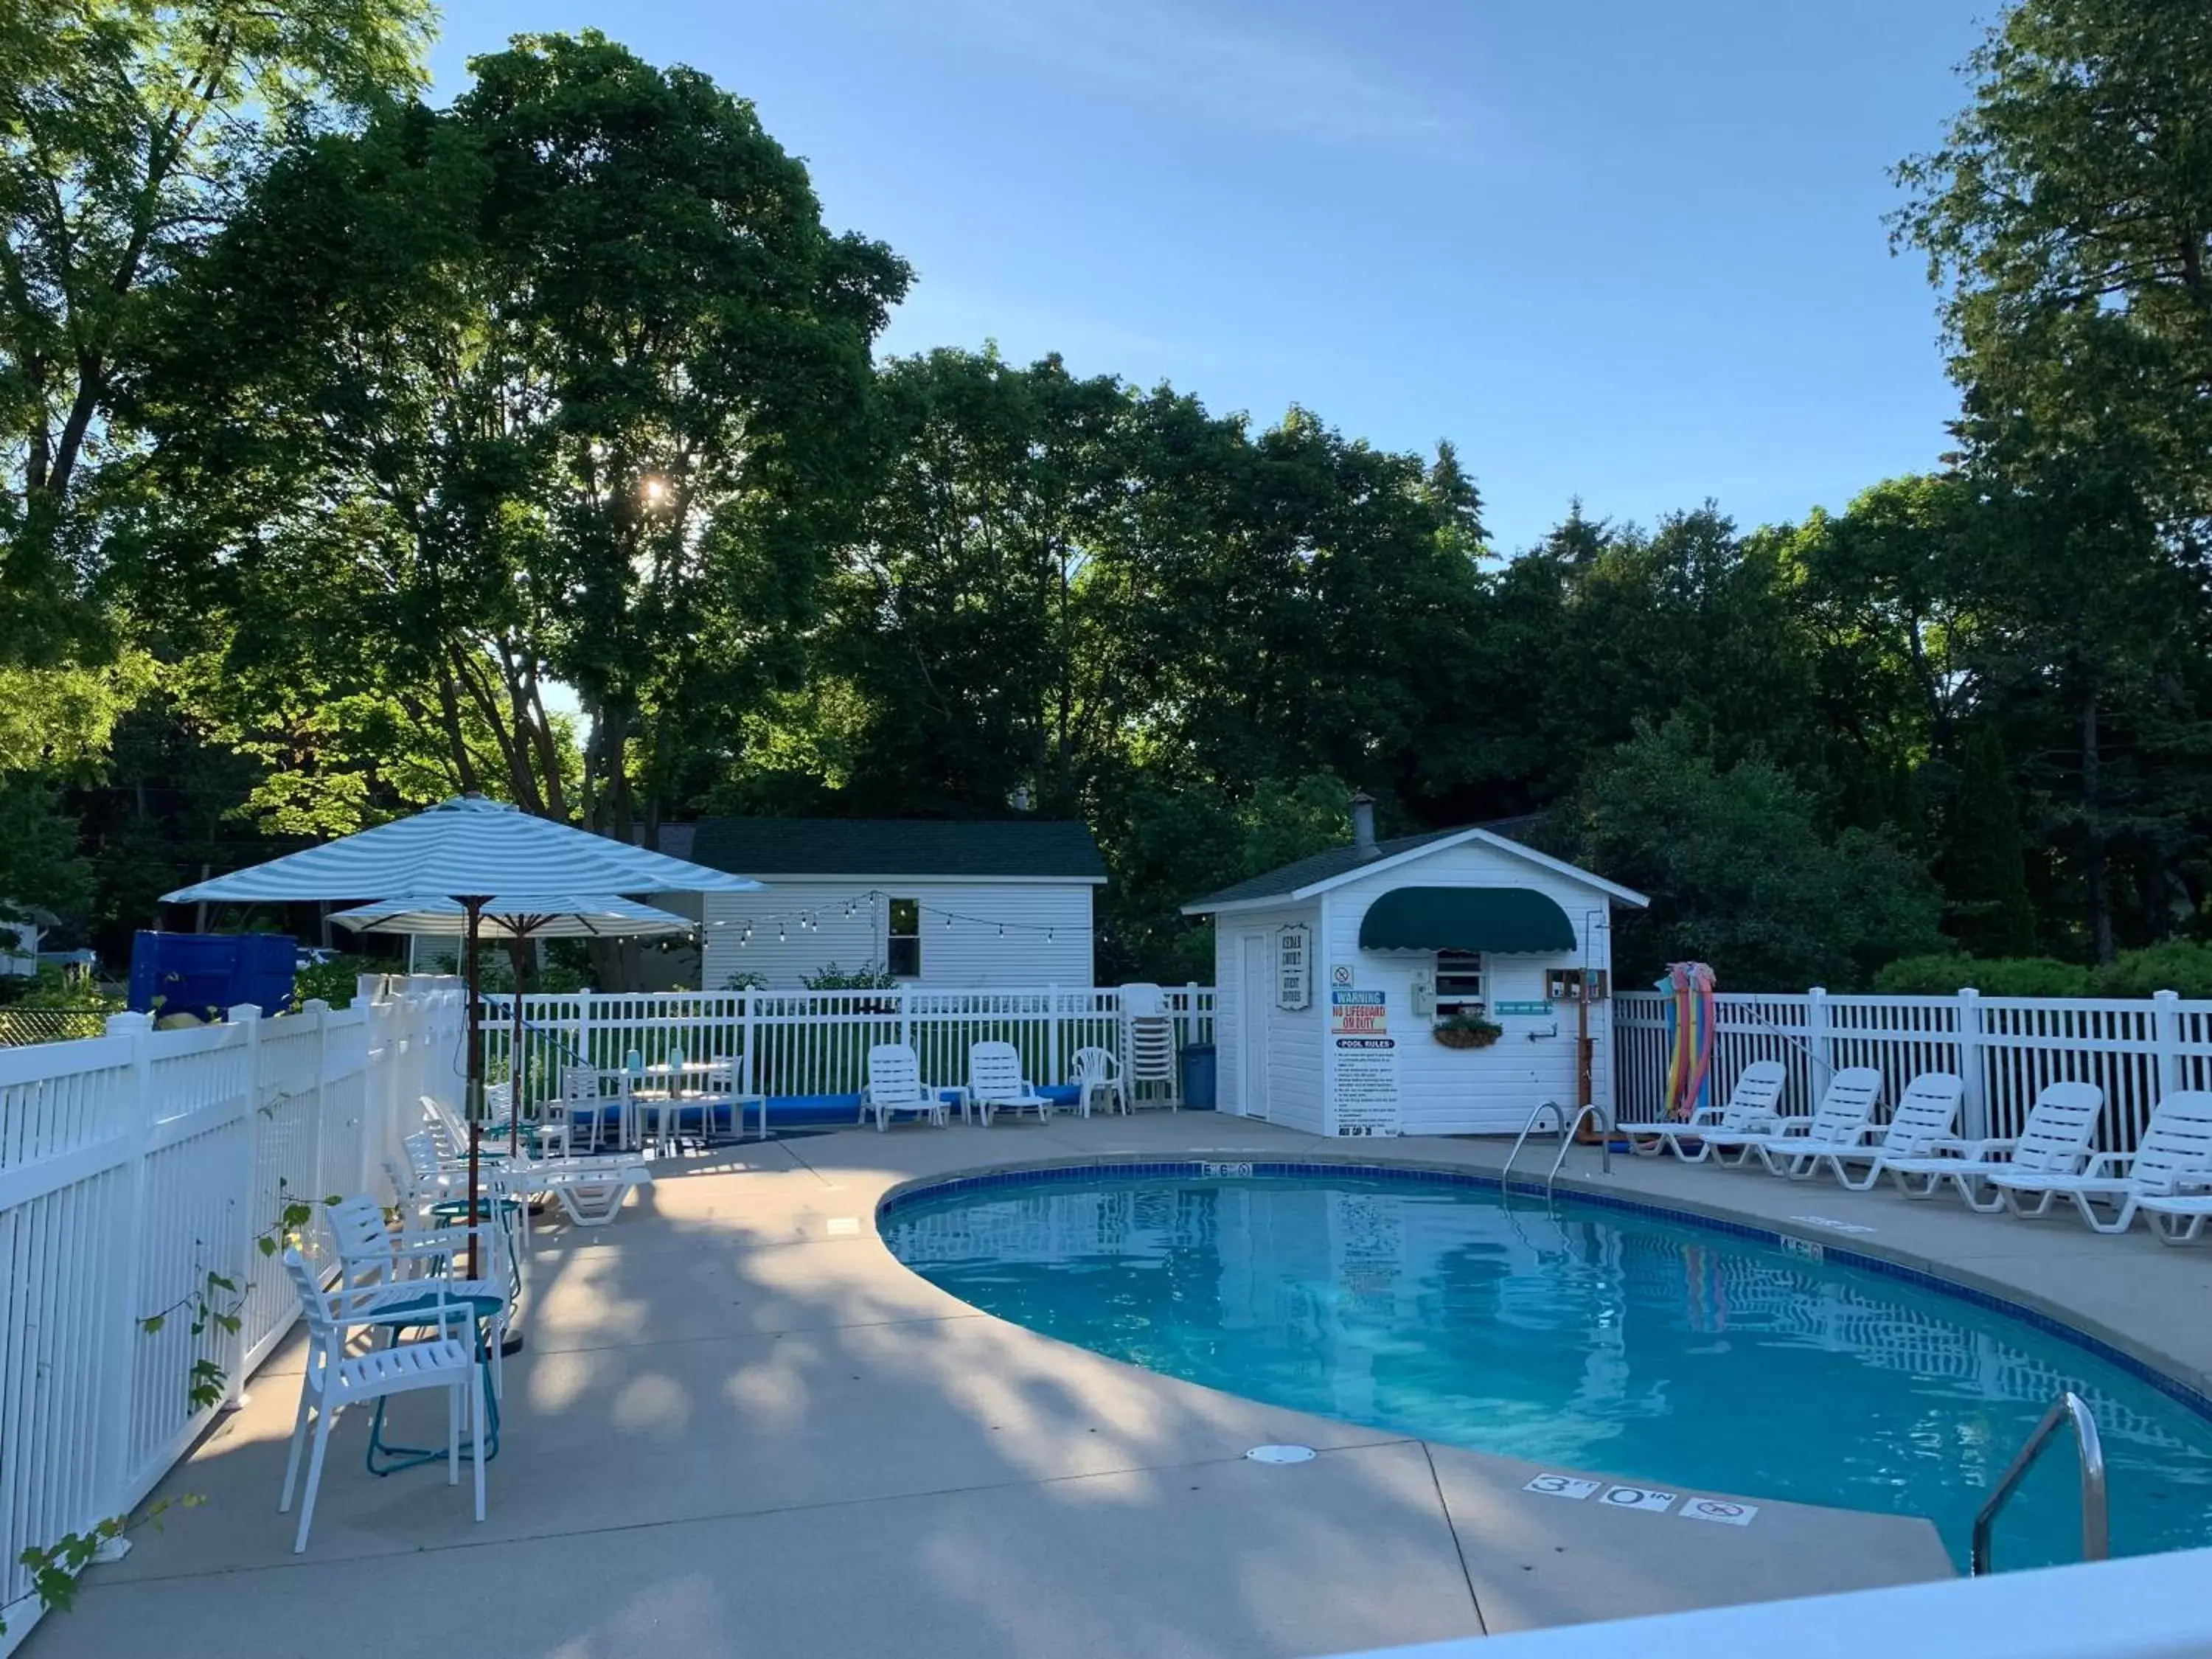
(208, 974)
(1198, 1075)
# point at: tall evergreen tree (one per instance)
(1985, 864)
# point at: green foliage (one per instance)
(50, 987)
(1985, 866)
(2065, 217)
(125, 130)
(2177, 965)
(1941, 973)
(831, 977)
(336, 981)
(1739, 874)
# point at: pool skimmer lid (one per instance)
(1281, 1454)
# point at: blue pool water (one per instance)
(1587, 1339)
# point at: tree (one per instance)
(1985, 871)
(567, 383)
(2067, 217)
(126, 129)
(1738, 871)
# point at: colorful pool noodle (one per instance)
(1690, 1063)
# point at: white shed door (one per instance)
(1255, 995)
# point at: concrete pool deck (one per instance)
(742, 1427)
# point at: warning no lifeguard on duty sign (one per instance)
(1647, 1499)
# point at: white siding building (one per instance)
(1331, 974)
(943, 904)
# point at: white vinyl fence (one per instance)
(133, 1166)
(808, 1044)
(2005, 1048)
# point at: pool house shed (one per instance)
(1338, 978)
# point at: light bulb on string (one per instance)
(782, 938)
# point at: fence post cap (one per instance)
(246, 1013)
(124, 1024)
(1968, 991)
(319, 1005)
(2166, 996)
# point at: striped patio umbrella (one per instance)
(518, 920)
(467, 850)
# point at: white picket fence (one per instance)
(2005, 1048)
(133, 1164)
(809, 1044)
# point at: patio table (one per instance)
(673, 1080)
(418, 1313)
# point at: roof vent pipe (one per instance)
(1362, 824)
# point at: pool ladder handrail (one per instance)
(1567, 1128)
(1558, 1116)
(2096, 1527)
(1567, 1138)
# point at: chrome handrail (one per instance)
(1567, 1138)
(2096, 1534)
(1558, 1116)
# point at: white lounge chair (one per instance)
(2060, 1127)
(2178, 1219)
(2174, 1156)
(1750, 1111)
(332, 1381)
(1925, 1119)
(1843, 1117)
(1096, 1076)
(894, 1085)
(995, 1083)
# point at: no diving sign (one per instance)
(1716, 1509)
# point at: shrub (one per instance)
(831, 977)
(2176, 966)
(1943, 972)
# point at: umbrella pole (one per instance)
(473, 1094)
(515, 1066)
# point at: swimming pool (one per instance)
(1589, 1338)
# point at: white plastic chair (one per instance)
(995, 1083)
(1096, 1076)
(2055, 1138)
(1925, 1117)
(380, 1274)
(2174, 1155)
(1844, 1118)
(583, 1108)
(894, 1085)
(1749, 1113)
(332, 1381)
(1151, 1063)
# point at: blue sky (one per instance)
(1627, 250)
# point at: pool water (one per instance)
(1584, 1339)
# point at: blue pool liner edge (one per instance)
(928, 1189)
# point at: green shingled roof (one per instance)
(1342, 861)
(768, 847)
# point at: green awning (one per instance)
(1507, 921)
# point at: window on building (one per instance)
(1459, 983)
(903, 939)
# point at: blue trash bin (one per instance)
(1198, 1075)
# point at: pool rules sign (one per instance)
(1364, 1072)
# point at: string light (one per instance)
(812, 920)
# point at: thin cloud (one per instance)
(1216, 67)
